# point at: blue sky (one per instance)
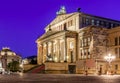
(23, 21)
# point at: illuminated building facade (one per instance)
(7, 56)
(77, 42)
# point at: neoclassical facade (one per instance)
(77, 42)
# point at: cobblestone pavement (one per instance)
(58, 78)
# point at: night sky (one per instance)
(23, 21)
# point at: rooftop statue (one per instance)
(61, 11)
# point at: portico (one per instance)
(58, 48)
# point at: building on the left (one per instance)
(7, 56)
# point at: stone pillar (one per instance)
(44, 52)
(47, 50)
(58, 49)
(75, 50)
(40, 54)
(62, 50)
(52, 50)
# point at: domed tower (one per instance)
(7, 56)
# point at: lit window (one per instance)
(107, 24)
(68, 23)
(116, 67)
(119, 52)
(93, 22)
(87, 21)
(81, 54)
(116, 51)
(116, 41)
(88, 53)
(111, 25)
(85, 54)
(98, 22)
(71, 22)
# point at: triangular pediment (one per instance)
(60, 18)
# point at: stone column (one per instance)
(47, 50)
(42, 52)
(52, 50)
(75, 50)
(39, 55)
(58, 44)
(61, 51)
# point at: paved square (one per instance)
(58, 78)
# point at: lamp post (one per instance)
(109, 58)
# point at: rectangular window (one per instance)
(98, 23)
(119, 40)
(88, 53)
(102, 23)
(111, 25)
(68, 23)
(60, 27)
(87, 21)
(93, 22)
(71, 23)
(65, 28)
(84, 53)
(107, 24)
(116, 67)
(85, 42)
(116, 51)
(83, 22)
(81, 54)
(116, 41)
(119, 52)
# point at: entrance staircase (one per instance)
(37, 69)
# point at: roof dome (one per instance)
(7, 51)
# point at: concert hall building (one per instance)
(77, 42)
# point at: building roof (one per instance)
(50, 33)
(62, 17)
(100, 17)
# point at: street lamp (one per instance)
(109, 58)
